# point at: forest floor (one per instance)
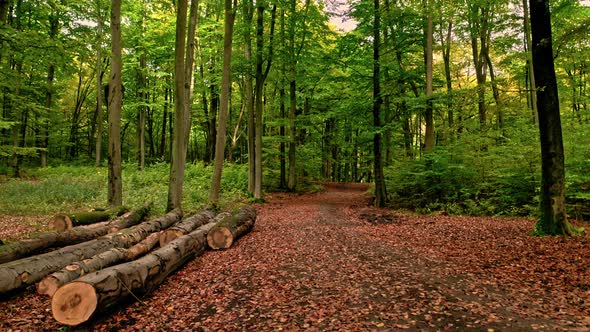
(329, 262)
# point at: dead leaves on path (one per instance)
(326, 262)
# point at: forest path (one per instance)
(328, 262)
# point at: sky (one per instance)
(338, 10)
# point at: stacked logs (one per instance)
(124, 258)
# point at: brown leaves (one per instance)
(318, 262)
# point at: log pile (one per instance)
(123, 259)
(27, 271)
(75, 302)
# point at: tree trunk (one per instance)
(189, 65)
(225, 86)
(380, 192)
(28, 247)
(228, 230)
(77, 301)
(179, 144)
(446, 51)
(428, 116)
(27, 271)
(248, 13)
(529, 61)
(44, 133)
(50, 284)
(63, 221)
(162, 147)
(115, 185)
(552, 216)
(99, 73)
(186, 226)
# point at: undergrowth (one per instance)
(68, 188)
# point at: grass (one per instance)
(69, 188)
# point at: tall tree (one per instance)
(44, 131)
(552, 216)
(99, 120)
(115, 188)
(224, 102)
(179, 143)
(529, 61)
(248, 14)
(428, 116)
(261, 76)
(380, 191)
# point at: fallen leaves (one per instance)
(327, 262)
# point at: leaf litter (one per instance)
(328, 262)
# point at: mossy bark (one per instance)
(63, 221)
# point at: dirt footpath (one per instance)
(327, 262)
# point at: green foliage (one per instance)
(68, 188)
(471, 176)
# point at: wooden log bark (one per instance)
(229, 229)
(28, 247)
(50, 284)
(75, 302)
(63, 221)
(23, 272)
(186, 226)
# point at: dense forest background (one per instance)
(458, 136)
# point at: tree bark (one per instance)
(229, 229)
(28, 247)
(225, 87)
(23, 272)
(77, 301)
(63, 221)
(380, 192)
(552, 216)
(179, 144)
(115, 185)
(248, 14)
(50, 284)
(529, 61)
(185, 226)
(99, 120)
(428, 115)
(189, 64)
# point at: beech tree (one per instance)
(552, 216)
(115, 192)
(224, 102)
(181, 113)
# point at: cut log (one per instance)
(186, 226)
(229, 229)
(75, 302)
(63, 221)
(52, 282)
(27, 271)
(28, 247)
